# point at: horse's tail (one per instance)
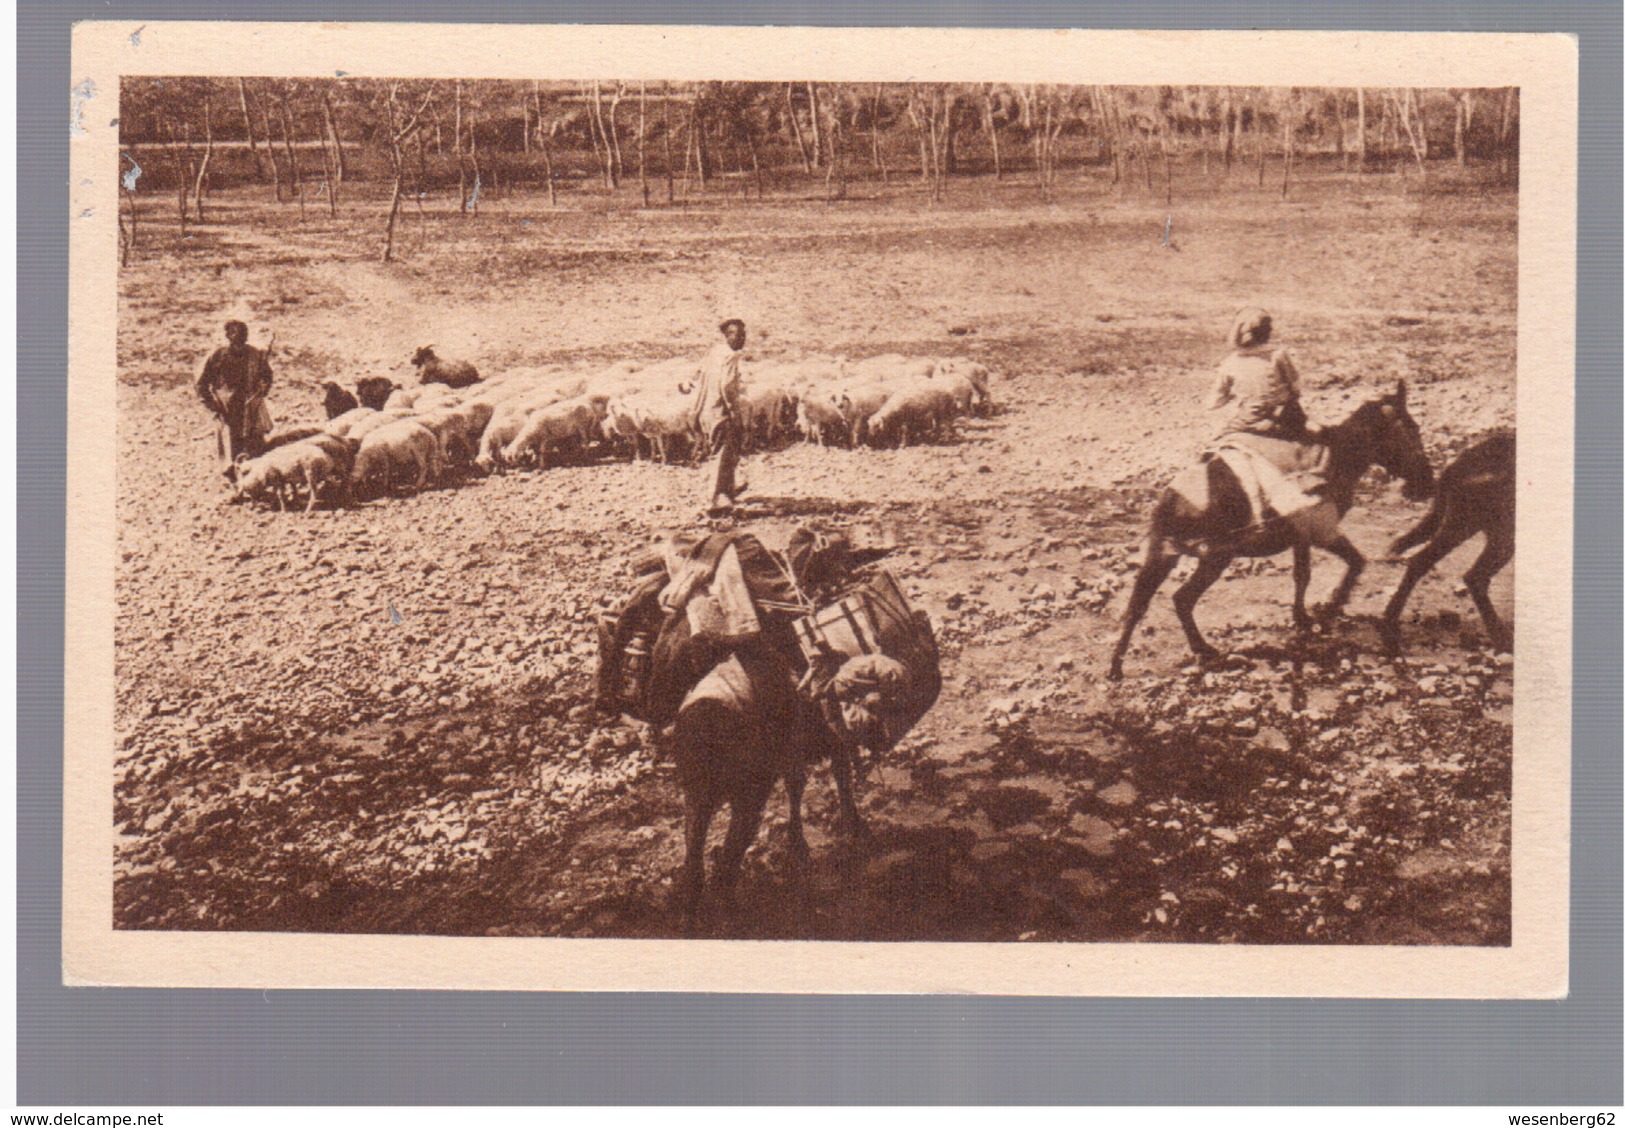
(1423, 530)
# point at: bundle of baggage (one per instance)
(863, 656)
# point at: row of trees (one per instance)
(308, 138)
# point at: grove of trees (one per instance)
(327, 143)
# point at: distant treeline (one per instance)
(287, 131)
(307, 138)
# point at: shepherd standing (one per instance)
(717, 415)
(233, 385)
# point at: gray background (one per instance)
(146, 1047)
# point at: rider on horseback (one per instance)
(1267, 423)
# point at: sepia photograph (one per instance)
(639, 506)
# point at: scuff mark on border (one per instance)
(80, 94)
(135, 36)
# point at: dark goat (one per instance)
(452, 373)
(337, 401)
(374, 391)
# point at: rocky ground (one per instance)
(375, 719)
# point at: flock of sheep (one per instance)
(391, 439)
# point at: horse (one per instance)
(1477, 494)
(1379, 432)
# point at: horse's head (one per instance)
(1396, 443)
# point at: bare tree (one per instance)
(341, 168)
(643, 125)
(541, 139)
(201, 183)
(397, 133)
(248, 130)
(287, 145)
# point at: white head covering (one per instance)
(1251, 327)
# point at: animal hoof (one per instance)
(1326, 612)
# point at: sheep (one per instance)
(892, 368)
(763, 405)
(458, 429)
(309, 463)
(566, 424)
(337, 401)
(660, 417)
(819, 419)
(857, 402)
(912, 411)
(957, 370)
(341, 426)
(452, 373)
(364, 426)
(289, 435)
(506, 423)
(374, 391)
(404, 444)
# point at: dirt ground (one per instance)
(375, 719)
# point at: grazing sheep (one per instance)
(404, 445)
(503, 429)
(452, 373)
(309, 465)
(763, 405)
(958, 373)
(857, 403)
(337, 401)
(913, 411)
(819, 420)
(374, 391)
(564, 425)
(459, 428)
(662, 417)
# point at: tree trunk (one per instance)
(341, 168)
(990, 123)
(1167, 164)
(248, 129)
(1503, 132)
(1286, 147)
(457, 149)
(1359, 126)
(615, 134)
(541, 140)
(755, 163)
(702, 155)
(665, 114)
(1337, 120)
(270, 147)
(293, 156)
(812, 112)
(182, 166)
(601, 145)
(643, 124)
(1463, 103)
(1418, 144)
(795, 128)
(202, 181)
(394, 211)
(1263, 143)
